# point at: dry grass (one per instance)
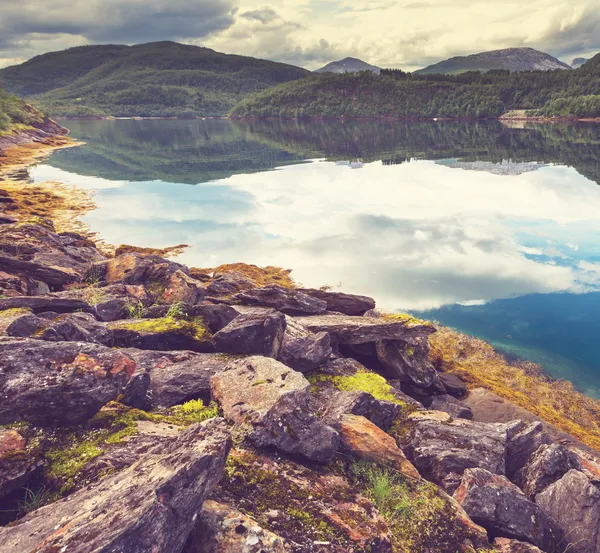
(522, 383)
(170, 251)
(261, 276)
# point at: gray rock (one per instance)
(523, 445)
(349, 304)
(149, 507)
(506, 545)
(407, 362)
(256, 332)
(574, 503)
(301, 349)
(225, 284)
(495, 503)
(112, 310)
(286, 300)
(64, 383)
(452, 406)
(182, 288)
(25, 326)
(215, 316)
(76, 327)
(39, 304)
(454, 385)
(274, 400)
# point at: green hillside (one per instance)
(398, 94)
(156, 79)
(15, 113)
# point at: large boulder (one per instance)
(349, 304)
(223, 529)
(258, 332)
(442, 448)
(226, 284)
(453, 384)
(58, 383)
(367, 441)
(286, 300)
(40, 304)
(149, 507)
(574, 503)
(522, 445)
(452, 406)
(274, 401)
(182, 288)
(501, 508)
(74, 327)
(345, 329)
(407, 362)
(547, 465)
(303, 350)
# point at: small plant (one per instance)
(135, 310)
(178, 311)
(34, 499)
(93, 293)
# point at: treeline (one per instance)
(395, 93)
(579, 106)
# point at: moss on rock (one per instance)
(169, 324)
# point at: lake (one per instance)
(492, 229)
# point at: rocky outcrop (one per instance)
(506, 545)
(574, 503)
(289, 301)
(226, 284)
(44, 304)
(348, 304)
(301, 349)
(16, 467)
(272, 400)
(452, 406)
(151, 506)
(58, 383)
(522, 445)
(407, 362)
(501, 508)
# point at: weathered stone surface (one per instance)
(501, 508)
(332, 404)
(523, 445)
(181, 288)
(506, 545)
(15, 468)
(256, 332)
(367, 441)
(25, 326)
(225, 284)
(301, 349)
(349, 304)
(574, 503)
(58, 383)
(407, 362)
(149, 507)
(454, 385)
(273, 399)
(215, 316)
(165, 379)
(76, 327)
(45, 303)
(443, 448)
(452, 406)
(345, 329)
(547, 465)
(286, 300)
(112, 310)
(223, 529)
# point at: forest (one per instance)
(15, 112)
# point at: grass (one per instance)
(522, 383)
(261, 276)
(194, 328)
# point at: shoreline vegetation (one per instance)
(522, 383)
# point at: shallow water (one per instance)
(490, 229)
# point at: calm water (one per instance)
(490, 229)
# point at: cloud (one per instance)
(264, 15)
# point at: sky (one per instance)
(406, 34)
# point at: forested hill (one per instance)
(155, 79)
(398, 94)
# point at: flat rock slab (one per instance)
(286, 300)
(345, 329)
(349, 304)
(39, 304)
(149, 507)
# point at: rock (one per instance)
(162, 334)
(172, 378)
(149, 507)
(45, 303)
(547, 465)
(332, 404)
(454, 385)
(286, 300)
(503, 510)
(574, 503)
(367, 441)
(452, 406)
(16, 467)
(442, 448)
(256, 332)
(523, 445)
(338, 302)
(48, 383)
(273, 399)
(506, 545)
(76, 327)
(215, 316)
(181, 288)
(345, 329)
(225, 284)
(25, 326)
(135, 268)
(302, 350)
(407, 362)
(223, 529)
(112, 310)
(10, 442)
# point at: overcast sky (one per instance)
(408, 34)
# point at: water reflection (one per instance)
(467, 222)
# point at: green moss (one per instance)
(14, 312)
(195, 327)
(361, 381)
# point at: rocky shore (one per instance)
(150, 407)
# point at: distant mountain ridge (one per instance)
(513, 59)
(348, 65)
(578, 62)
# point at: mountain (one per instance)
(155, 79)
(513, 59)
(348, 65)
(578, 62)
